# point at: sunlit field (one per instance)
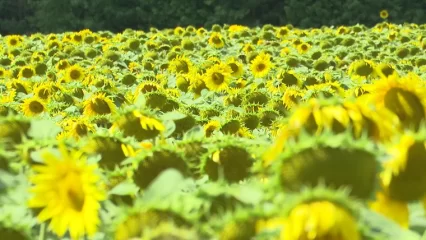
(228, 133)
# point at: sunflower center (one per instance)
(260, 67)
(182, 66)
(75, 74)
(364, 70)
(406, 106)
(19, 88)
(27, 73)
(283, 32)
(218, 78)
(13, 42)
(216, 40)
(43, 93)
(304, 47)
(234, 67)
(81, 129)
(74, 193)
(289, 79)
(387, 71)
(36, 107)
(100, 106)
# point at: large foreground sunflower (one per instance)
(65, 187)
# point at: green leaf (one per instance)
(174, 115)
(43, 129)
(124, 188)
(248, 194)
(386, 226)
(166, 184)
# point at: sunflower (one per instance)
(403, 179)
(66, 188)
(216, 40)
(261, 65)
(62, 65)
(384, 14)
(217, 77)
(384, 70)
(33, 106)
(44, 91)
(74, 73)
(98, 104)
(282, 32)
(236, 66)
(139, 125)
(4, 73)
(180, 64)
(13, 41)
(210, 127)
(403, 96)
(78, 127)
(319, 220)
(303, 48)
(26, 72)
(361, 69)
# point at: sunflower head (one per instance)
(333, 214)
(261, 65)
(76, 202)
(216, 40)
(140, 125)
(236, 67)
(14, 129)
(384, 14)
(335, 160)
(153, 162)
(26, 72)
(228, 160)
(361, 69)
(99, 104)
(74, 73)
(180, 64)
(217, 77)
(403, 96)
(33, 106)
(402, 177)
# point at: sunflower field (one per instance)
(228, 133)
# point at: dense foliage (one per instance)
(27, 16)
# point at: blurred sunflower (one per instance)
(361, 69)
(99, 104)
(216, 40)
(236, 66)
(180, 64)
(66, 187)
(13, 41)
(261, 65)
(384, 14)
(403, 96)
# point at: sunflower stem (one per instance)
(42, 232)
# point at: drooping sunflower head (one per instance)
(113, 149)
(403, 96)
(261, 65)
(383, 71)
(217, 77)
(66, 188)
(99, 104)
(216, 40)
(403, 176)
(78, 127)
(33, 106)
(20, 86)
(236, 67)
(180, 64)
(228, 160)
(43, 91)
(336, 160)
(152, 163)
(361, 69)
(140, 125)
